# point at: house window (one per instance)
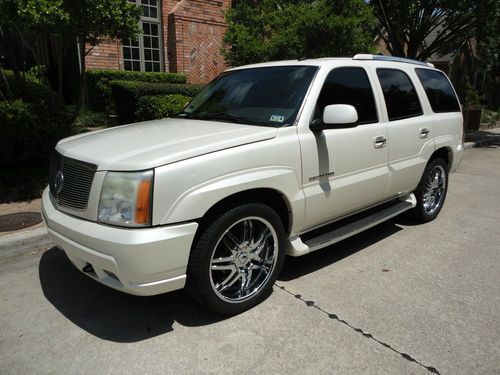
(144, 54)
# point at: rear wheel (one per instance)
(431, 191)
(237, 258)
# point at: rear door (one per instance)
(409, 131)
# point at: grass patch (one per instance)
(89, 120)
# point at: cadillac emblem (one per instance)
(59, 182)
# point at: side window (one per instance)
(438, 91)
(400, 96)
(349, 86)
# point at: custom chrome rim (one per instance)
(434, 190)
(244, 259)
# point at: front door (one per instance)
(344, 169)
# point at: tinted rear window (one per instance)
(400, 96)
(438, 91)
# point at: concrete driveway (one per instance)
(398, 299)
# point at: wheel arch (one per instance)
(268, 196)
(444, 153)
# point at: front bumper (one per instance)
(143, 262)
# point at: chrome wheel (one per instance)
(244, 259)
(434, 190)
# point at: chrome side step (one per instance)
(302, 245)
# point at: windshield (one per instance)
(269, 96)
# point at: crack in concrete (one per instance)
(365, 334)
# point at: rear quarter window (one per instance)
(438, 90)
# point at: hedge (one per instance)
(32, 122)
(99, 90)
(126, 95)
(154, 107)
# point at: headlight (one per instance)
(126, 199)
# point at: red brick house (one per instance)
(182, 36)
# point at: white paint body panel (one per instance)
(360, 171)
(145, 261)
(193, 186)
(151, 144)
(321, 177)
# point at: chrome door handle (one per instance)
(379, 141)
(424, 133)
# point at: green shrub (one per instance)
(126, 95)
(98, 83)
(32, 122)
(490, 116)
(17, 122)
(25, 181)
(39, 72)
(26, 133)
(154, 107)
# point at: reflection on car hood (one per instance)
(153, 143)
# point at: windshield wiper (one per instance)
(185, 115)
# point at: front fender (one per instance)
(195, 202)
(186, 190)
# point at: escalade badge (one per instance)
(321, 176)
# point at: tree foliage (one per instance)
(24, 23)
(418, 29)
(31, 15)
(288, 29)
(487, 33)
(92, 21)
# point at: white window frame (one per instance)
(140, 38)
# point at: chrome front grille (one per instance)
(70, 181)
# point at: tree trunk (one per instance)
(58, 48)
(11, 59)
(4, 86)
(82, 96)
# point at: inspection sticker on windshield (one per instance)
(277, 118)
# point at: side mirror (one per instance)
(336, 116)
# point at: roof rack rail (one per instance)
(365, 56)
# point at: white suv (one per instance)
(269, 159)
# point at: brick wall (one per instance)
(106, 55)
(192, 37)
(195, 31)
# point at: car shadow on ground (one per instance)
(119, 317)
(483, 138)
(112, 315)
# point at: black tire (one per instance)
(246, 242)
(430, 193)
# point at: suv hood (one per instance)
(153, 143)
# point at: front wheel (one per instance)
(236, 259)
(431, 191)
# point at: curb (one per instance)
(21, 243)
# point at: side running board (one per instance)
(343, 229)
